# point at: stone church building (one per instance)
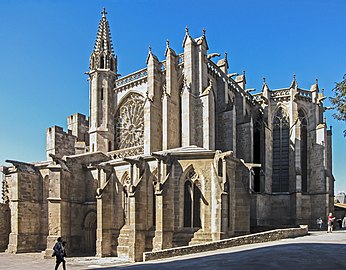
(177, 153)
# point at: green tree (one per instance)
(339, 100)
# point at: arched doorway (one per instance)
(89, 226)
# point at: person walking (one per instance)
(58, 252)
(330, 222)
(319, 222)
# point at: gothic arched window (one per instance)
(187, 203)
(257, 140)
(192, 201)
(303, 149)
(125, 181)
(281, 137)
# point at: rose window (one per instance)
(129, 122)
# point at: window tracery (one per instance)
(280, 182)
(129, 122)
(192, 200)
(303, 149)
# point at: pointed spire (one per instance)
(169, 49)
(187, 36)
(222, 63)
(265, 88)
(294, 82)
(226, 60)
(103, 56)
(314, 87)
(103, 40)
(151, 55)
(241, 80)
(203, 39)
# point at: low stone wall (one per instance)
(226, 243)
(5, 225)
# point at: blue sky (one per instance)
(45, 48)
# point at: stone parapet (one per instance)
(226, 243)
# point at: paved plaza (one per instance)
(318, 250)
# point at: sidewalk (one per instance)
(318, 250)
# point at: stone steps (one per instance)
(123, 242)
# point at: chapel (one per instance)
(175, 154)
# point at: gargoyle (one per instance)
(212, 55)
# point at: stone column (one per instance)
(189, 92)
(208, 103)
(153, 107)
(106, 231)
(137, 208)
(164, 207)
(58, 207)
(137, 201)
(170, 104)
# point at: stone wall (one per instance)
(79, 125)
(226, 243)
(244, 142)
(5, 225)
(25, 204)
(59, 142)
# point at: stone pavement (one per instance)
(318, 250)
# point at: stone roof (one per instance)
(103, 39)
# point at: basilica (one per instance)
(175, 154)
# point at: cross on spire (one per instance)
(204, 31)
(104, 12)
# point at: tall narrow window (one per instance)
(101, 93)
(126, 205)
(102, 62)
(280, 181)
(111, 64)
(196, 205)
(154, 206)
(303, 149)
(227, 189)
(257, 154)
(219, 168)
(187, 204)
(192, 201)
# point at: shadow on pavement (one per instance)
(286, 256)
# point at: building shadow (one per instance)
(284, 256)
